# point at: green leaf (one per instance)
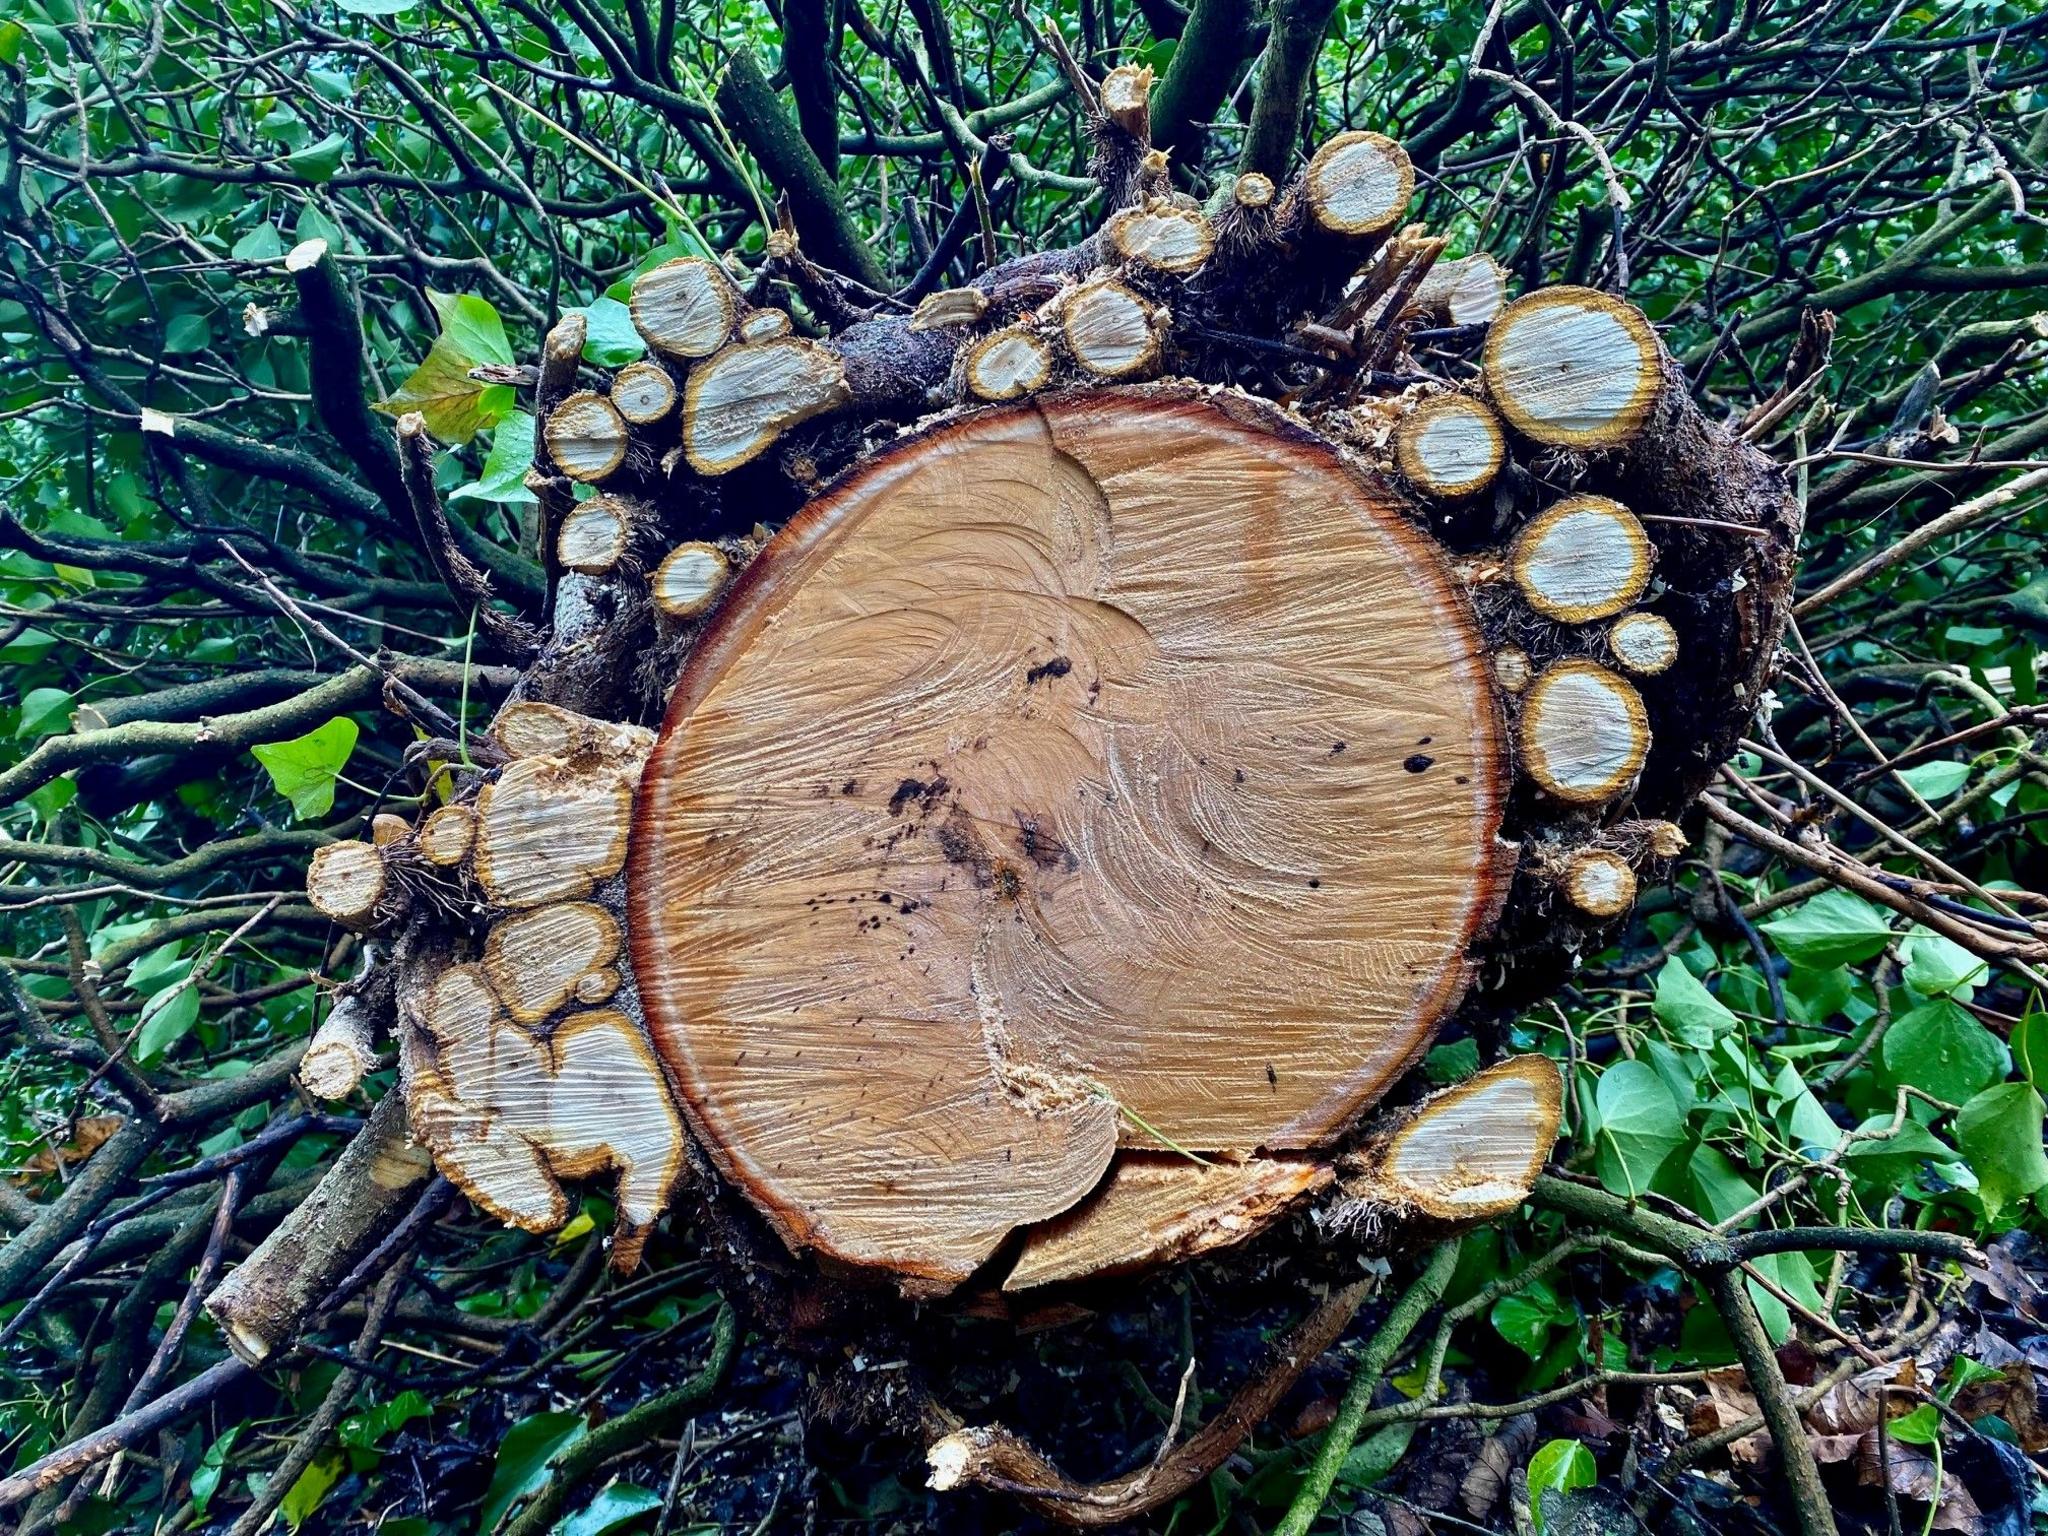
(1936, 781)
(503, 478)
(1559, 1466)
(616, 1506)
(1640, 1126)
(1920, 1427)
(304, 769)
(522, 1464)
(206, 1476)
(187, 333)
(1940, 967)
(455, 406)
(1373, 1457)
(1999, 1131)
(610, 340)
(1719, 1188)
(470, 323)
(45, 712)
(263, 243)
(1835, 928)
(167, 1018)
(1451, 1063)
(319, 162)
(312, 1486)
(1685, 1007)
(1525, 1318)
(1941, 1049)
(1800, 1116)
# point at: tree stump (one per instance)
(1012, 784)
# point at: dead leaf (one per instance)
(1726, 1403)
(1487, 1481)
(2013, 1397)
(87, 1136)
(1912, 1474)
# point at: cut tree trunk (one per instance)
(1112, 718)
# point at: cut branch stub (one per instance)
(549, 828)
(1127, 99)
(643, 392)
(1643, 644)
(1110, 330)
(1161, 235)
(1359, 183)
(1581, 559)
(1584, 732)
(1599, 882)
(446, 834)
(594, 536)
(740, 401)
(1008, 365)
(509, 1115)
(1573, 368)
(586, 437)
(346, 882)
(684, 308)
(689, 579)
(1450, 446)
(1471, 1152)
(966, 833)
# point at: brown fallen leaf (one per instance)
(87, 1136)
(1726, 1402)
(1912, 1474)
(1487, 1481)
(2013, 1397)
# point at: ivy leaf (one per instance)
(610, 340)
(1640, 1125)
(1558, 1466)
(522, 1464)
(313, 1485)
(263, 243)
(1373, 1457)
(1686, 1008)
(1525, 1318)
(1999, 1131)
(503, 477)
(1940, 967)
(1941, 1049)
(1835, 928)
(616, 1506)
(206, 1476)
(304, 769)
(455, 406)
(471, 323)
